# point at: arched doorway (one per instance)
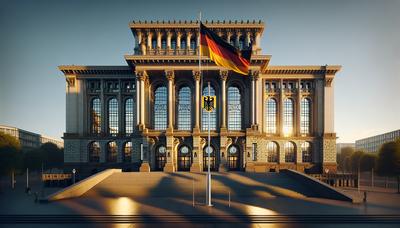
(161, 157)
(209, 150)
(233, 158)
(184, 158)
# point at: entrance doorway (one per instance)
(184, 158)
(209, 150)
(161, 157)
(233, 158)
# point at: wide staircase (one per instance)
(185, 184)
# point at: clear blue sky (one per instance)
(363, 36)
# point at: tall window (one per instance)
(95, 111)
(289, 152)
(94, 152)
(272, 152)
(234, 109)
(163, 44)
(306, 151)
(128, 152)
(173, 44)
(213, 114)
(305, 116)
(270, 116)
(183, 43)
(184, 109)
(192, 43)
(112, 152)
(288, 117)
(241, 43)
(113, 116)
(160, 108)
(153, 43)
(129, 116)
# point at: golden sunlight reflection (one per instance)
(287, 131)
(123, 206)
(254, 210)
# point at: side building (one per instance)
(373, 143)
(147, 113)
(29, 140)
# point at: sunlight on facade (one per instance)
(287, 131)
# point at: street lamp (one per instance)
(73, 176)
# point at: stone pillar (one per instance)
(248, 39)
(188, 36)
(254, 77)
(257, 44)
(138, 105)
(281, 106)
(178, 40)
(142, 76)
(223, 76)
(170, 76)
(149, 40)
(145, 167)
(170, 164)
(159, 34)
(169, 35)
(298, 107)
(237, 39)
(120, 151)
(196, 77)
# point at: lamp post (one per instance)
(73, 176)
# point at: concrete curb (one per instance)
(323, 190)
(80, 187)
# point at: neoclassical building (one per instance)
(147, 115)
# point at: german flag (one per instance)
(222, 53)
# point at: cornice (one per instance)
(95, 70)
(287, 70)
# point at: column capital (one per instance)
(170, 74)
(196, 75)
(254, 74)
(141, 75)
(223, 75)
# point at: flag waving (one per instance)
(222, 53)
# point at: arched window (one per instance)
(163, 44)
(306, 151)
(95, 120)
(153, 43)
(113, 116)
(184, 109)
(183, 43)
(94, 152)
(213, 114)
(129, 116)
(232, 41)
(241, 43)
(128, 152)
(289, 152)
(272, 152)
(305, 116)
(288, 117)
(270, 116)
(192, 43)
(173, 44)
(112, 152)
(160, 108)
(234, 109)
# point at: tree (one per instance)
(47, 154)
(10, 154)
(355, 160)
(342, 156)
(388, 163)
(367, 162)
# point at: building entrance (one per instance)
(184, 158)
(209, 150)
(161, 158)
(233, 158)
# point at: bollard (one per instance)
(229, 198)
(193, 192)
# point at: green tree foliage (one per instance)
(342, 157)
(10, 154)
(368, 162)
(355, 160)
(388, 163)
(48, 155)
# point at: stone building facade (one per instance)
(147, 115)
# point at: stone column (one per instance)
(248, 39)
(142, 76)
(159, 34)
(137, 100)
(169, 35)
(237, 39)
(223, 76)
(298, 107)
(254, 77)
(178, 40)
(188, 36)
(281, 106)
(149, 39)
(170, 76)
(196, 77)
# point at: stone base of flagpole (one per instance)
(169, 168)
